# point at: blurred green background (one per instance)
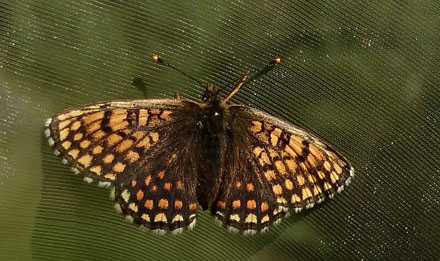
(363, 75)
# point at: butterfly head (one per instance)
(211, 94)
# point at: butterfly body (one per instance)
(166, 156)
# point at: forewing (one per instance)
(108, 141)
(288, 168)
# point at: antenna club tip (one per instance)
(277, 60)
(156, 59)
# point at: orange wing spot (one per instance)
(251, 204)
(327, 166)
(143, 117)
(265, 219)
(97, 150)
(75, 125)
(238, 184)
(300, 179)
(277, 189)
(64, 133)
(146, 217)
(264, 206)
(166, 115)
(66, 145)
(110, 176)
(236, 204)
(289, 184)
(221, 204)
(274, 136)
(85, 143)
(149, 204)
(147, 180)
(155, 111)
(264, 159)
(71, 114)
(112, 139)
(337, 168)
(193, 207)
(250, 187)
(96, 169)
(99, 135)
(316, 190)
(311, 160)
(306, 193)
(321, 174)
(144, 143)
(163, 203)
(86, 160)
(263, 136)
(161, 174)
(119, 167)
(93, 117)
(280, 167)
(133, 183)
(154, 136)
(139, 195)
(296, 143)
(312, 179)
(73, 153)
(334, 177)
(132, 156)
(64, 124)
(94, 126)
(291, 165)
(154, 188)
(77, 136)
(315, 151)
(133, 207)
(139, 135)
(119, 126)
(167, 186)
(270, 175)
(256, 126)
(179, 185)
(257, 151)
(124, 145)
(327, 186)
(108, 158)
(118, 115)
(178, 204)
(251, 218)
(295, 199)
(290, 151)
(160, 218)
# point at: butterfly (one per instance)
(166, 157)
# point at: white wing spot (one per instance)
(104, 184)
(51, 143)
(88, 180)
(47, 122)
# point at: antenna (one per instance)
(262, 71)
(162, 61)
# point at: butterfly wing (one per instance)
(136, 146)
(272, 166)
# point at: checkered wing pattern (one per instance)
(107, 141)
(135, 146)
(274, 167)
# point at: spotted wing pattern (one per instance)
(108, 140)
(162, 198)
(274, 167)
(127, 144)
